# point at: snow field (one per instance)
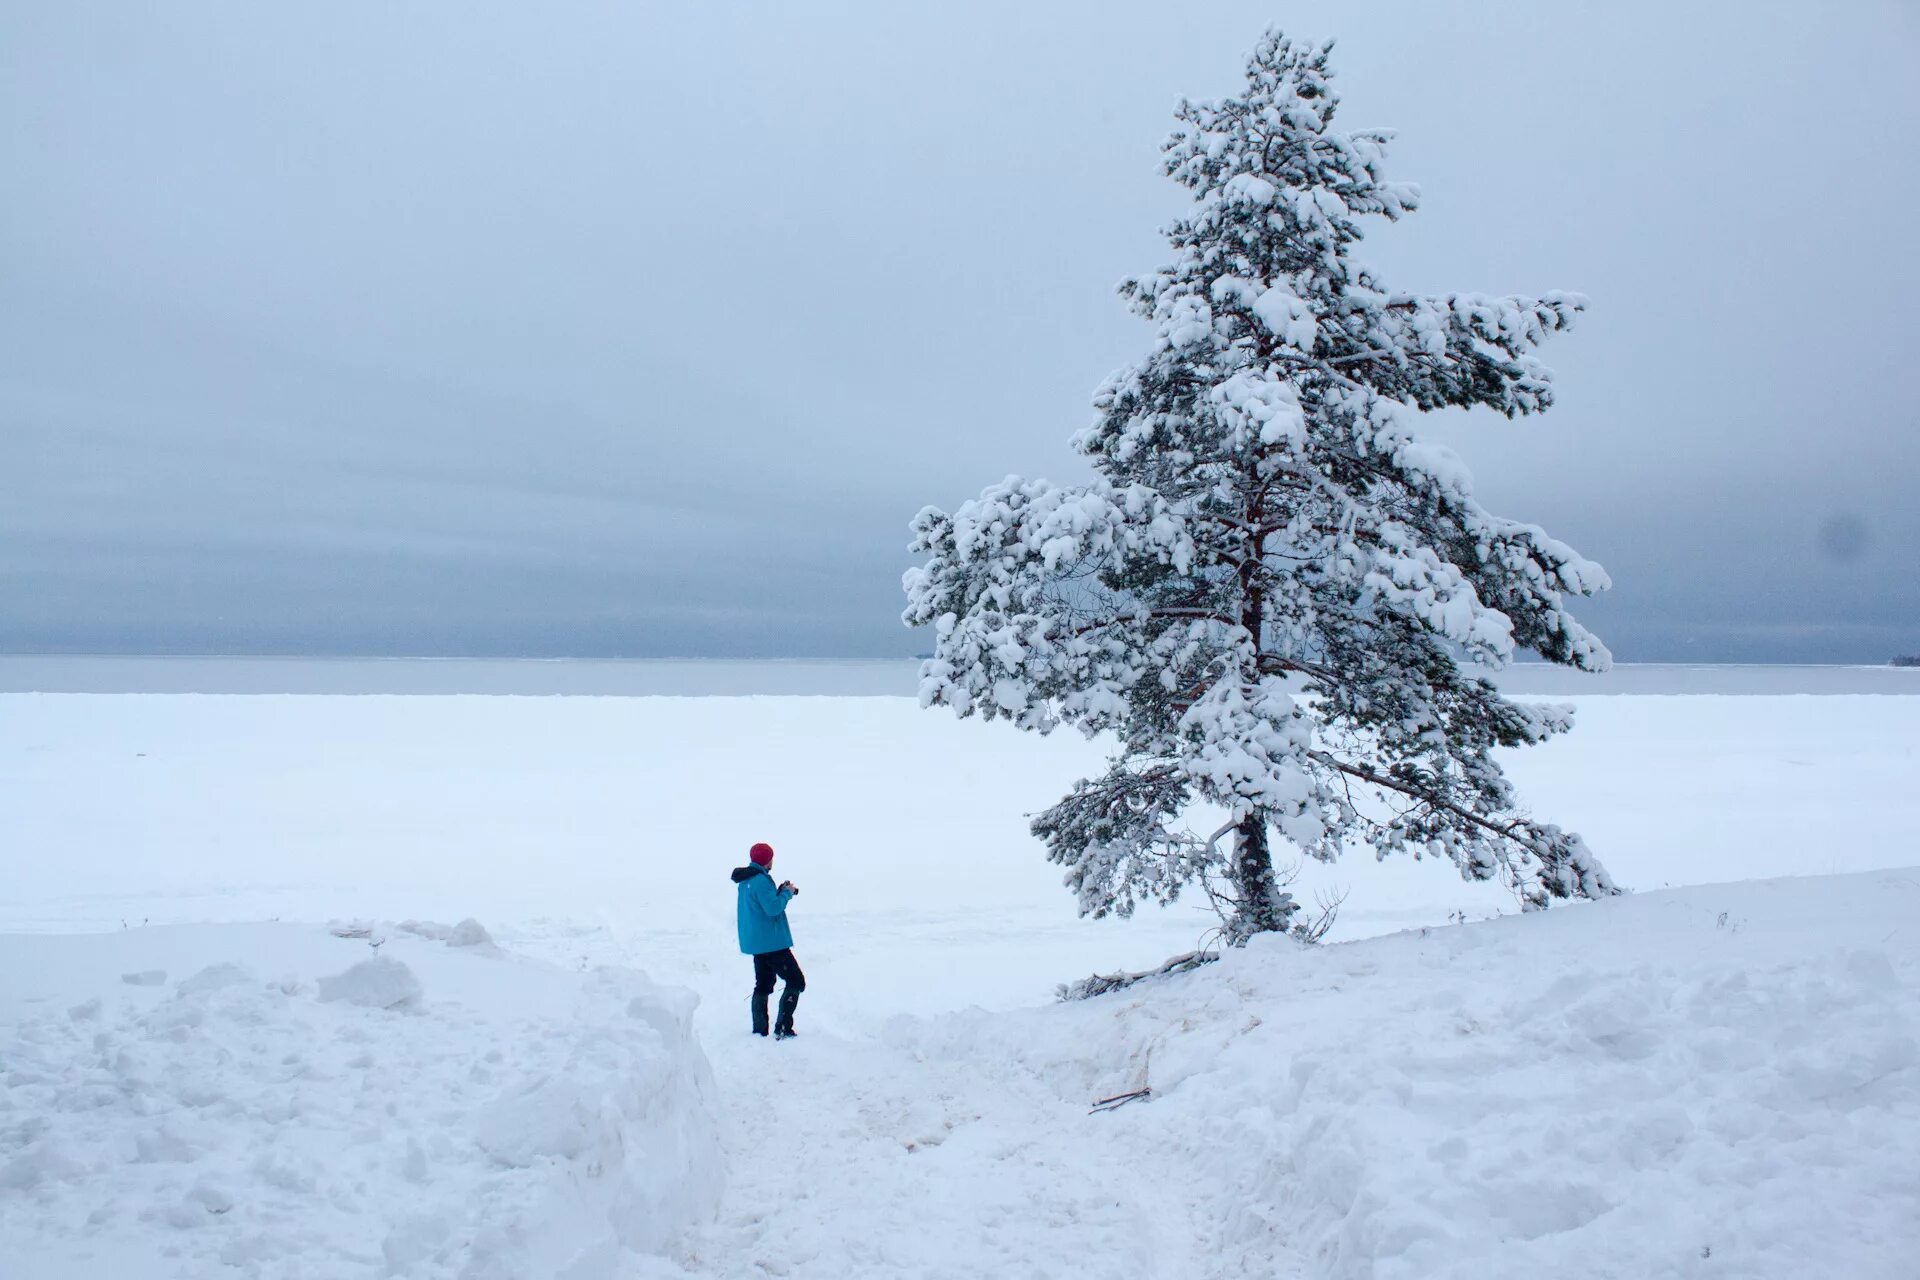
(1733, 1097)
(274, 1101)
(624, 814)
(1716, 1081)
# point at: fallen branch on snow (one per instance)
(1119, 1100)
(1101, 983)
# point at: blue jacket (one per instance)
(762, 913)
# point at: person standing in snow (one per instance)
(762, 918)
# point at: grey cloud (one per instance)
(646, 329)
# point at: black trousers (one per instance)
(781, 965)
(767, 967)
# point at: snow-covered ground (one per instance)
(271, 1099)
(1717, 1081)
(1705, 1082)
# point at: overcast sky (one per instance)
(645, 329)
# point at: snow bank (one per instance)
(379, 983)
(1719, 1081)
(270, 1100)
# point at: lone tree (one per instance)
(1276, 597)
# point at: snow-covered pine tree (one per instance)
(1278, 599)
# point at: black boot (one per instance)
(783, 1025)
(760, 1011)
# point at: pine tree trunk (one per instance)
(1260, 908)
(1253, 880)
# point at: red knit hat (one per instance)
(761, 853)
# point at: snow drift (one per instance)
(1721, 1081)
(270, 1100)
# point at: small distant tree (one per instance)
(1276, 597)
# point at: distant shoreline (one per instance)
(413, 657)
(777, 677)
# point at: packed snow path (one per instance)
(855, 1151)
(852, 1157)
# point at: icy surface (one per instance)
(430, 1113)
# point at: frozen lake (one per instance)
(629, 811)
(700, 677)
